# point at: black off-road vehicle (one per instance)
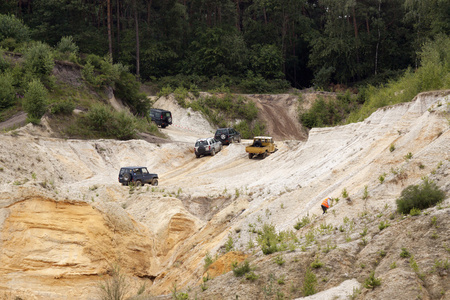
(137, 176)
(227, 136)
(161, 117)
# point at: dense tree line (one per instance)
(309, 42)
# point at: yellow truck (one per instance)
(261, 146)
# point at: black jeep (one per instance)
(137, 175)
(161, 117)
(227, 136)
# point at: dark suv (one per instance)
(137, 175)
(227, 136)
(161, 117)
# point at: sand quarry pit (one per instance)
(162, 233)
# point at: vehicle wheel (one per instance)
(127, 177)
(138, 183)
(155, 182)
(198, 156)
(265, 154)
(213, 152)
(239, 139)
(163, 126)
(250, 155)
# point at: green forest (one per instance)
(373, 53)
(267, 43)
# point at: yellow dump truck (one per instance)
(261, 146)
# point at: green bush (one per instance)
(67, 49)
(305, 221)
(271, 242)
(420, 196)
(248, 131)
(107, 123)
(322, 78)
(165, 91)
(181, 93)
(64, 107)
(4, 64)
(39, 60)
(329, 112)
(67, 45)
(87, 73)
(35, 101)
(13, 28)
(242, 269)
(309, 284)
(405, 253)
(127, 88)
(372, 282)
(7, 91)
(254, 83)
(433, 74)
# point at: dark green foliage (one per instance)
(222, 109)
(39, 60)
(242, 269)
(421, 196)
(323, 77)
(64, 107)
(329, 112)
(249, 130)
(35, 101)
(216, 51)
(304, 42)
(4, 63)
(256, 83)
(7, 91)
(67, 45)
(309, 283)
(268, 61)
(88, 74)
(181, 94)
(67, 49)
(107, 123)
(13, 28)
(405, 253)
(127, 89)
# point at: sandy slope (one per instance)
(200, 202)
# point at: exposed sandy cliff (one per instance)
(64, 218)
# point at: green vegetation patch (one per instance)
(420, 196)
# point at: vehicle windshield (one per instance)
(201, 143)
(219, 131)
(167, 114)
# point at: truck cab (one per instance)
(261, 146)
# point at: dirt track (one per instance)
(279, 113)
(16, 121)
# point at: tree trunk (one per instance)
(265, 15)
(378, 40)
(118, 27)
(355, 27)
(137, 38)
(149, 6)
(238, 16)
(108, 14)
